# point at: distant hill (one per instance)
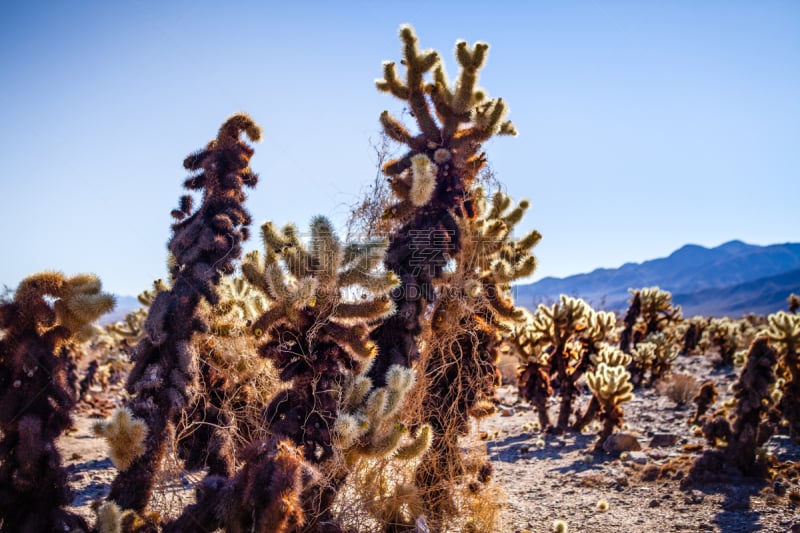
(732, 279)
(125, 304)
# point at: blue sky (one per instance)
(643, 125)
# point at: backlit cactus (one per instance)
(204, 245)
(723, 334)
(784, 334)
(431, 182)
(569, 333)
(650, 311)
(47, 313)
(322, 302)
(750, 426)
(610, 383)
(652, 358)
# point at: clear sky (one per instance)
(643, 125)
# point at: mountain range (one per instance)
(732, 279)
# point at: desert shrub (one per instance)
(679, 388)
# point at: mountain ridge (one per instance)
(732, 267)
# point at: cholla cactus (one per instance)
(474, 312)
(750, 427)
(130, 331)
(569, 332)
(125, 436)
(431, 182)
(368, 422)
(724, 334)
(657, 309)
(784, 333)
(204, 245)
(650, 311)
(47, 313)
(322, 303)
(652, 357)
(793, 301)
(705, 398)
(533, 378)
(609, 382)
(240, 304)
(692, 333)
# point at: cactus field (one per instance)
(384, 379)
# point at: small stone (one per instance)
(694, 497)
(524, 449)
(663, 440)
(621, 442)
(507, 411)
(653, 503)
(637, 457)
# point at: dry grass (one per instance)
(679, 388)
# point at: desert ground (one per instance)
(545, 477)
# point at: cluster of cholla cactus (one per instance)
(47, 313)
(556, 346)
(341, 325)
(784, 333)
(323, 300)
(651, 311)
(609, 381)
(750, 426)
(203, 247)
(652, 357)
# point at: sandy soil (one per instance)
(548, 478)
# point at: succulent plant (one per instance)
(47, 313)
(784, 333)
(204, 245)
(431, 181)
(610, 383)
